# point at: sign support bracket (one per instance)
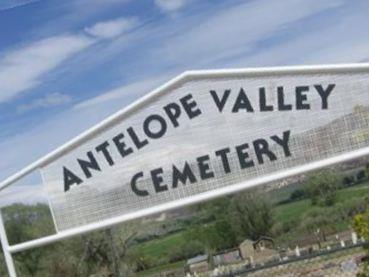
(5, 244)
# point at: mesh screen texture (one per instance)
(237, 136)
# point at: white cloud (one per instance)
(170, 5)
(236, 31)
(49, 100)
(112, 28)
(331, 42)
(26, 194)
(22, 68)
(135, 89)
(11, 4)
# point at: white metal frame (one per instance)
(11, 249)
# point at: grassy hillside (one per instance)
(296, 210)
(161, 248)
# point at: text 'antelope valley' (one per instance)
(155, 126)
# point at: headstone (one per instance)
(297, 251)
(349, 266)
(354, 237)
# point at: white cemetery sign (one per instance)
(206, 134)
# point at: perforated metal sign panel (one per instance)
(205, 133)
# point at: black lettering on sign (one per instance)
(186, 175)
(135, 189)
(220, 102)
(283, 142)
(103, 148)
(173, 111)
(157, 179)
(91, 163)
(264, 107)
(243, 156)
(242, 102)
(261, 147)
(190, 106)
(301, 98)
(121, 145)
(182, 176)
(156, 125)
(223, 155)
(282, 106)
(136, 140)
(324, 93)
(162, 126)
(203, 163)
(266, 99)
(70, 179)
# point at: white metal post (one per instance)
(5, 244)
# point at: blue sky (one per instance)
(66, 65)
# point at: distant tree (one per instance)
(362, 135)
(361, 224)
(109, 249)
(104, 253)
(211, 237)
(27, 222)
(298, 194)
(251, 216)
(186, 249)
(92, 254)
(348, 181)
(227, 237)
(361, 227)
(319, 222)
(322, 187)
(3, 269)
(224, 235)
(215, 209)
(361, 175)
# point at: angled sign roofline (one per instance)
(260, 178)
(258, 71)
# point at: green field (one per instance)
(291, 211)
(296, 210)
(354, 192)
(161, 247)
